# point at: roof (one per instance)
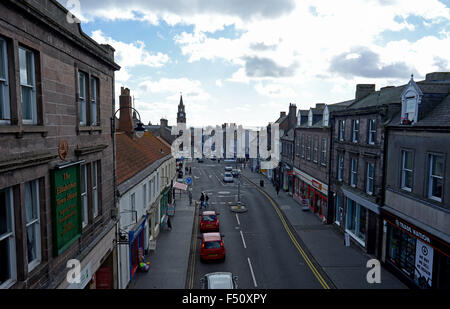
(211, 236)
(386, 95)
(289, 135)
(134, 155)
(208, 212)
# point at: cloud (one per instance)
(173, 87)
(361, 61)
(260, 46)
(265, 67)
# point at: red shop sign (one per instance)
(316, 184)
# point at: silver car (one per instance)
(228, 177)
(219, 280)
(228, 168)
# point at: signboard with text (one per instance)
(66, 207)
(424, 265)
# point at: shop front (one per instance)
(418, 256)
(163, 206)
(311, 193)
(136, 245)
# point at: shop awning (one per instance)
(180, 186)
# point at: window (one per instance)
(340, 167)
(372, 131)
(144, 196)
(410, 108)
(158, 187)
(323, 156)
(84, 201)
(316, 149)
(33, 224)
(27, 86)
(355, 131)
(5, 114)
(342, 130)
(436, 180)
(95, 197)
(82, 97)
(370, 178)
(154, 187)
(150, 191)
(353, 175)
(94, 101)
(356, 220)
(7, 239)
(407, 170)
(133, 205)
(303, 146)
(308, 148)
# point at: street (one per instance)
(260, 247)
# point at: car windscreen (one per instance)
(212, 245)
(209, 218)
(220, 282)
(228, 175)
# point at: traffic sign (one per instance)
(188, 180)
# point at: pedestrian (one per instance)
(278, 189)
(202, 200)
(169, 223)
(190, 171)
(190, 197)
(206, 199)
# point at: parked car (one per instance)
(209, 221)
(200, 160)
(212, 247)
(235, 172)
(214, 158)
(228, 177)
(228, 168)
(219, 280)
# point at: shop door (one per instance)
(103, 279)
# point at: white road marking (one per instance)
(237, 218)
(253, 274)
(243, 241)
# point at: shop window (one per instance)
(5, 108)
(27, 86)
(33, 224)
(356, 220)
(7, 239)
(338, 209)
(402, 250)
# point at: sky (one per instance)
(245, 61)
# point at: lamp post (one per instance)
(139, 129)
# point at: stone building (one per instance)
(57, 185)
(416, 210)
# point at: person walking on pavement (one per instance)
(202, 200)
(190, 171)
(206, 200)
(190, 197)
(278, 188)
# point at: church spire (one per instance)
(181, 115)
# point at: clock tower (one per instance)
(181, 115)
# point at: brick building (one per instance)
(56, 165)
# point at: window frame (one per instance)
(34, 109)
(5, 101)
(372, 130)
(403, 170)
(316, 149)
(342, 130)
(94, 91)
(323, 156)
(431, 176)
(11, 236)
(34, 185)
(354, 172)
(340, 167)
(303, 146)
(370, 179)
(84, 196)
(308, 148)
(355, 130)
(95, 189)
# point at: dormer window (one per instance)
(310, 118)
(411, 98)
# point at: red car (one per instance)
(209, 221)
(212, 247)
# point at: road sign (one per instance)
(188, 180)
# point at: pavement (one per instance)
(169, 262)
(344, 266)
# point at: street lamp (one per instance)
(139, 129)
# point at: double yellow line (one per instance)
(294, 240)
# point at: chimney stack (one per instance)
(164, 123)
(282, 114)
(125, 120)
(292, 115)
(363, 90)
